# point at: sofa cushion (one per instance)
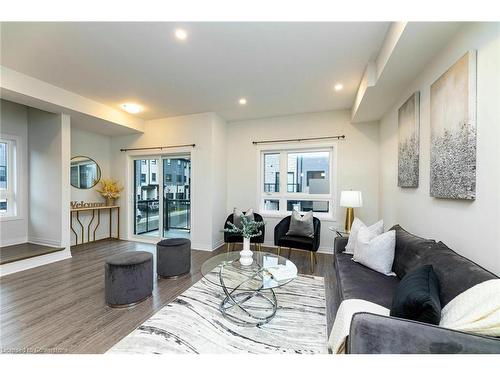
(456, 273)
(410, 251)
(357, 281)
(375, 252)
(417, 296)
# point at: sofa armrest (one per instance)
(371, 333)
(339, 244)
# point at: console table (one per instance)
(94, 209)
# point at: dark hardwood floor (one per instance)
(59, 307)
(22, 251)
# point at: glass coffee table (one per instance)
(249, 290)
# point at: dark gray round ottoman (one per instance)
(128, 278)
(173, 257)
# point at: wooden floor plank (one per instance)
(59, 307)
(9, 254)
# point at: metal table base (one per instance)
(236, 299)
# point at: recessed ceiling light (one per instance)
(131, 107)
(338, 86)
(242, 101)
(181, 34)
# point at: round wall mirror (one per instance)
(85, 172)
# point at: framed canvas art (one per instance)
(409, 142)
(453, 131)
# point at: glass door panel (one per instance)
(147, 197)
(177, 196)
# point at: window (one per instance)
(271, 173)
(8, 176)
(308, 185)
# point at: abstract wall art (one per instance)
(409, 144)
(453, 131)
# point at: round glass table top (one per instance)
(266, 272)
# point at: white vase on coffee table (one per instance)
(246, 255)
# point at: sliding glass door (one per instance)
(146, 197)
(177, 197)
(162, 196)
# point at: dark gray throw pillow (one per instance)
(417, 296)
(301, 225)
(237, 216)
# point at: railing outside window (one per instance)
(177, 214)
(147, 216)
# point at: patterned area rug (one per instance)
(192, 323)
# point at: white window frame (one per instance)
(283, 149)
(11, 193)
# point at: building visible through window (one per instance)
(308, 184)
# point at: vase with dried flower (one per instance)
(110, 190)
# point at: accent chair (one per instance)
(231, 238)
(311, 244)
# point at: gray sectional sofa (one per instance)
(370, 333)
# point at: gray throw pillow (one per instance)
(237, 216)
(301, 225)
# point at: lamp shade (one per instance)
(350, 198)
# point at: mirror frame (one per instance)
(98, 171)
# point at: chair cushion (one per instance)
(417, 296)
(296, 242)
(357, 281)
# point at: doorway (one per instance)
(162, 196)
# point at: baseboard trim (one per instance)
(200, 246)
(25, 264)
(44, 241)
(13, 241)
(220, 243)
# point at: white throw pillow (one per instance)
(357, 224)
(376, 252)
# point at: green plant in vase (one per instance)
(249, 229)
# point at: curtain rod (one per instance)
(300, 139)
(156, 148)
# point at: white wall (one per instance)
(49, 193)
(44, 177)
(97, 147)
(470, 228)
(14, 121)
(205, 131)
(219, 175)
(357, 162)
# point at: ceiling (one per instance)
(281, 68)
